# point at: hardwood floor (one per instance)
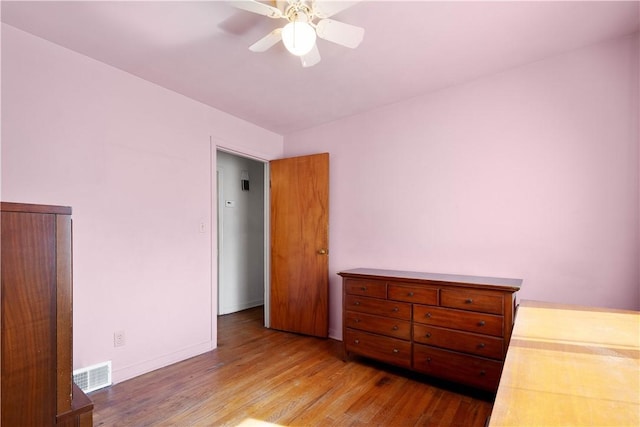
(262, 377)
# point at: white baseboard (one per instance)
(120, 374)
(241, 306)
(335, 334)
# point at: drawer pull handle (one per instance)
(357, 341)
(396, 309)
(483, 373)
(428, 360)
(356, 303)
(357, 320)
(468, 301)
(395, 327)
(428, 335)
(481, 323)
(410, 294)
(428, 315)
(481, 345)
(363, 288)
(395, 350)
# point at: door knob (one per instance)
(322, 251)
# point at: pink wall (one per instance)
(531, 173)
(134, 162)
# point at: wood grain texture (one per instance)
(32, 208)
(299, 244)
(457, 333)
(413, 294)
(80, 412)
(28, 319)
(474, 322)
(259, 376)
(64, 313)
(397, 310)
(37, 319)
(486, 301)
(571, 365)
(466, 342)
(483, 282)
(379, 324)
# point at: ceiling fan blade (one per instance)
(311, 58)
(340, 33)
(267, 41)
(283, 4)
(326, 9)
(257, 7)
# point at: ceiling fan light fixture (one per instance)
(299, 36)
(300, 33)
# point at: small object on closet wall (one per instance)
(244, 180)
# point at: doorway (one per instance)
(242, 234)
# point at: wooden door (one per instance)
(299, 244)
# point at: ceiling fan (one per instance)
(299, 34)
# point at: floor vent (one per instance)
(93, 377)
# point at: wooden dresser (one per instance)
(37, 383)
(449, 326)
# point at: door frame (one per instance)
(219, 196)
(217, 145)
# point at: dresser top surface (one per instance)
(570, 365)
(34, 208)
(454, 279)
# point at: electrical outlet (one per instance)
(118, 339)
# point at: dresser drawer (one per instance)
(389, 350)
(397, 310)
(474, 371)
(416, 294)
(480, 323)
(466, 342)
(469, 299)
(379, 324)
(370, 288)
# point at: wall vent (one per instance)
(93, 377)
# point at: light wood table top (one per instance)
(570, 366)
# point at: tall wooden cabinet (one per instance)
(37, 385)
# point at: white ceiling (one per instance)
(199, 49)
